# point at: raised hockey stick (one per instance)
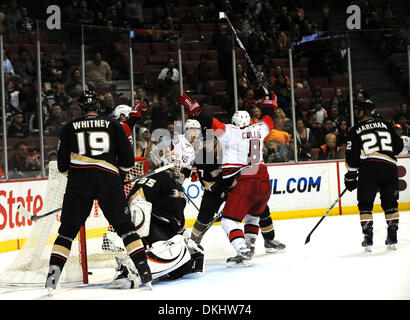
(260, 78)
(21, 210)
(151, 173)
(328, 210)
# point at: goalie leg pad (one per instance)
(166, 256)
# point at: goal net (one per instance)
(97, 248)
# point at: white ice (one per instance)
(333, 265)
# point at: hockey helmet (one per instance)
(241, 118)
(88, 101)
(367, 106)
(172, 157)
(121, 109)
(192, 129)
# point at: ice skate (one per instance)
(243, 259)
(121, 281)
(273, 245)
(391, 241)
(54, 273)
(368, 239)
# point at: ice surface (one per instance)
(333, 265)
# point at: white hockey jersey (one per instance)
(184, 150)
(241, 148)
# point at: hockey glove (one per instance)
(136, 112)
(191, 106)
(271, 101)
(351, 180)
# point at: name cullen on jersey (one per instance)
(93, 123)
(369, 126)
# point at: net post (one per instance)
(83, 253)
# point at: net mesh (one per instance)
(30, 266)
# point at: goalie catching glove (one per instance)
(351, 180)
(191, 106)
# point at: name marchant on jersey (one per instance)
(91, 123)
(370, 126)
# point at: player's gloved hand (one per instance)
(351, 180)
(271, 101)
(191, 106)
(136, 112)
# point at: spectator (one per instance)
(341, 102)
(203, 75)
(107, 104)
(221, 41)
(24, 65)
(134, 14)
(277, 72)
(13, 15)
(53, 70)
(8, 67)
(18, 128)
(73, 86)
(327, 127)
(33, 122)
(305, 139)
(341, 133)
(167, 84)
(211, 13)
(339, 60)
(97, 72)
(329, 150)
(144, 140)
(249, 101)
(25, 24)
(162, 114)
(57, 95)
(13, 97)
(318, 107)
(174, 75)
(333, 114)
(358, 88)
(283, 45)
(403, 110)
(281, 139)
(402, 121)
(84, 16)
(317, 96)
(257, 44)
(283, 20)
(23, 164)
(314, 125)
(256, 115)
(56, 121)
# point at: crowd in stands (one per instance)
(267, 29)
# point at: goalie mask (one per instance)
(120, 110)
(241, 119)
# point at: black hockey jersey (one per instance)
(372, 140)
(209, 171)
(159, 189)
(94, 147)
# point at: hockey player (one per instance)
(93, 149)
(169, 254)
(129, 117)
(242, 159)
(371, 167)
(216, 191)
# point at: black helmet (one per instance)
(88, 100)
(367, 106)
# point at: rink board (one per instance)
(299, 190)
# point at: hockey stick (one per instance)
(151, 173)
(328, 210)
(215, 219)
(261, 79)
(21, 210)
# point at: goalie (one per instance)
(157, 209)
